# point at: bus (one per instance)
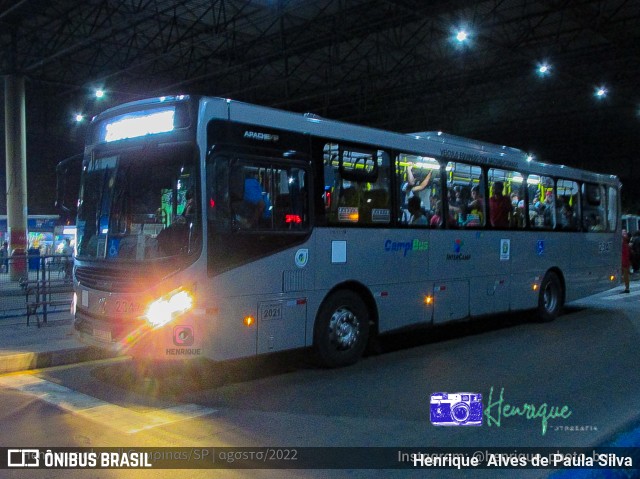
(211, 228)
(630, 223)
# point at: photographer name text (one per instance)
(496, 410)
(487, 459)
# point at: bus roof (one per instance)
(434, 144)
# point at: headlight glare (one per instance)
(166, 308)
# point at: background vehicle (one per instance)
(630, 223)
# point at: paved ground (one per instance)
(25, 347)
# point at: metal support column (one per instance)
(16, 161)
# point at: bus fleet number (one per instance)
(272, 312)
(127, 306)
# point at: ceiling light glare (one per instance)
(544, 69)
(601, 92)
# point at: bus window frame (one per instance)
(261, 161)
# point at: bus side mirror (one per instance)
(68, 185)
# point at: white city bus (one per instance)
(217, 229)
(631, 223)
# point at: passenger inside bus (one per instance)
(517, 211)
(418, 216)
(475, 207)
(549, 210)
(455, 201)
(593, 222)
(249, 202)
(565, 216)
(175, 239)
(499, 207)
(436, 220)
(255, 198)
(415, 186)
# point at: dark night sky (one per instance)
(381, 63)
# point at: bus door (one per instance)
(258, 212)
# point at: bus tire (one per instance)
(550, 300)
(341, 329)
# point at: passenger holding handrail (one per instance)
(411, 180)
(411, 189)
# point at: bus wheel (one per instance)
(341, 329)
(551, 297)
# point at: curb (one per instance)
(12, 363)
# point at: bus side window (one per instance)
(592, 209)
(566, 204)
(417, 176)
(612, 208)
(465, 195)
(359, 192)
(542, 204)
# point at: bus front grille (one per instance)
(115, 280)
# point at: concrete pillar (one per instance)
(16, 160)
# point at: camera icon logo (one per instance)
(456, 409)
(183, 336)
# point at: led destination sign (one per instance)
(137, 124)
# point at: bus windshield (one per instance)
(139, 207)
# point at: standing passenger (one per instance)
(499, 207)
(67, 253)
(4, 257)
(417, 215)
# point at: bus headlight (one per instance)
(168, 307)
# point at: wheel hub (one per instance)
(343, 329)
(550, 298)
